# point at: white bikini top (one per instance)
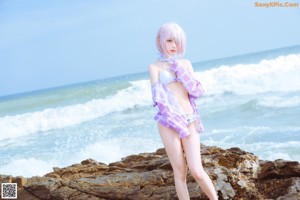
(166, 77)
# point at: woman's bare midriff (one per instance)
(180, 93)
(182, 96)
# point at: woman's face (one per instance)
(171, 47)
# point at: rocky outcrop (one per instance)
(236, 175)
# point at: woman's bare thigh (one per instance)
(191, 146)
(173, 146)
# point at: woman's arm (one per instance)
(185, 74)
(153, 73)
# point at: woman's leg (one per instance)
(191, 146)
(173, 146)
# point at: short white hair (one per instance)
(171, 31)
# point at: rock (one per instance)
(279, 169)
(21, 181)
(5, 179)
(235, 173)
(279, 179)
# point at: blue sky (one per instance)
(46, 44)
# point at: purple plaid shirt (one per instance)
(170, 114)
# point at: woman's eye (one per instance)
(169, 40)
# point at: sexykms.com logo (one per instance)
(276, 4)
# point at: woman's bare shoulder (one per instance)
(153, 72)
(154, 66)
(187, 64)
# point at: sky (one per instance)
(45, 44)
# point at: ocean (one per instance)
(252, 101)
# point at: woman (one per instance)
(174, 90)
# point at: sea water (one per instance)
(252, 101)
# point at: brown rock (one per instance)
(161, 151)
(89, 161)
(279, 169)
(21, 181)
(5, 179)
(23, 194)
(42, 187)
(235, 173)
(279, 179)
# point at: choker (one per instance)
(170, 60)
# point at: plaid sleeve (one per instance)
(169, 114)
(192, 85)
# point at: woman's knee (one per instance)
(198, 174)
(180, 173)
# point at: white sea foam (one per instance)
(114, 149)
(265, 142)
(24, 167)
(106, 151)
(138, 94)
(279, 102)
(278, 75)
(264, 150)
